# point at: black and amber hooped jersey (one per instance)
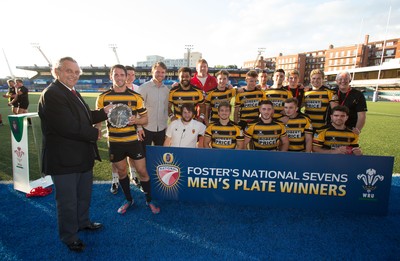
(316, 104)
(224, 136)
(249, 104)
(179, 96)
(332, 138)
(266, 136)
(215, 97)
(134, 101)
(296, 128)
(278, 97)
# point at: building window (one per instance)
(389, 44)
(390, 52)
(378, 45)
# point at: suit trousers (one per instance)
(73, 194)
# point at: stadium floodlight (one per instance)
(188, 47)
(114, 48)
(259, 53)
(37, 46)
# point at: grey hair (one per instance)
(59, 63)
(339, 75)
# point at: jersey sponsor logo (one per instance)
(314, 104)
(267, 141)
(223, 141)
(293, 134)
(251, 103)
(335, 146)
(277, 103)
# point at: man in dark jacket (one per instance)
(69, 150)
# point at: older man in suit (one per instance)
(69, 150)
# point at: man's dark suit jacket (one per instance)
(69, 138)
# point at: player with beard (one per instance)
(185, 132)
(267, 134)
(224, 134)
(184, 93)
(123, 142)
(298, 127)
(337, 138)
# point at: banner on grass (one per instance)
(358, 184)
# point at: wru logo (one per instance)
(370, 179)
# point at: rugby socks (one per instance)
(146, 189)
(126, 188)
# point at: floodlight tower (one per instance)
(260, 52)
(37, 46)
(114, 48)
(8, 64)
(188, 47)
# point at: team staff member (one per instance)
(266, 133)
(319, 100)
(337, 138)
(186, 131)
(298, 127)
(123, 142)
(352, 99)
(220, 94)
(155, 95)
(69, 150)
(224, 134)
(277, 94)
(184, 93)
(247, 102)
(202, 79)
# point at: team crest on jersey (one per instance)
(168, 175)
(370, 179)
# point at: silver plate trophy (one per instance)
(119, 115)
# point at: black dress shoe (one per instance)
(93, 226)
(76, 246)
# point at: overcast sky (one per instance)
(226, 32)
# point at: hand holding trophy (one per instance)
(119, 115)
